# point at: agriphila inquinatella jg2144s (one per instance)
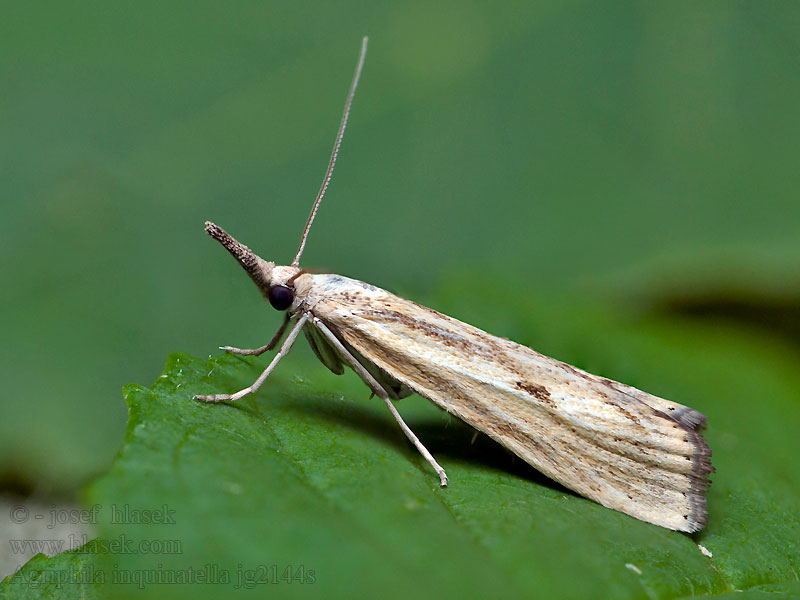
(624, 448)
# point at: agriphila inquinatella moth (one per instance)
(624, 448)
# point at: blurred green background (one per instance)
(643, 155)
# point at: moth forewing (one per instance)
(603, 439)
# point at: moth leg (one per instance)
(285, 347)
(378, 390)
(415, 440)
(269, 346)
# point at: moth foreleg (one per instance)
(259, 351)
(284, 350)
(378, 390)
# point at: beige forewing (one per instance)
(622, 447)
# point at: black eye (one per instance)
(281, 297)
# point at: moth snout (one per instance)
(259, 270)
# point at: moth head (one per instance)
(276, 283)
(282, 293)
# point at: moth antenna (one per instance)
(335, 152)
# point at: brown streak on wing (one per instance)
(537, 391)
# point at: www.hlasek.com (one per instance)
(83, 545)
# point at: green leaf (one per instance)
(71, 574)
(312, 485)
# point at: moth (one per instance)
(622, 447)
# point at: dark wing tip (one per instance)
(691, 421)
(689, 417)
(698, 514)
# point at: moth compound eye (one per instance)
(281, 297)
